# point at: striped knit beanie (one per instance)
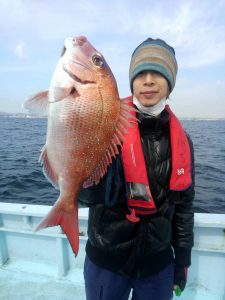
(154, 55)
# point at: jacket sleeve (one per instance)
(110, 187)
(93, 194)
(183, 221)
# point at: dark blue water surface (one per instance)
(22, 180)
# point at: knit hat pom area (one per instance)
(154, 55)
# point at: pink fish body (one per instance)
(86, 123)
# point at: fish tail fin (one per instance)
(68, 220)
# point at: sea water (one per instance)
(22, 179)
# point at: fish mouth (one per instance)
(76, 78)
(80, 40)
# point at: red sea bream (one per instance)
(86, 123)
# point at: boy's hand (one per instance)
(180, 279)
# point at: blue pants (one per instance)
(101, 284)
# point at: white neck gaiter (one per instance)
(151, 111)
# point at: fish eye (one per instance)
(98, 61)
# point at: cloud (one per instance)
(20, 49)
(195, 28)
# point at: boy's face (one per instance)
(150, 88)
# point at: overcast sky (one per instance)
(32, 33)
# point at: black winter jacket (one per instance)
(143, 248)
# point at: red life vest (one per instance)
(135, 168)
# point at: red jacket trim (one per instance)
(135, 168)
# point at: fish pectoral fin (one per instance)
(57, 94)
(68, 222)
(38, 103)
(47, 168)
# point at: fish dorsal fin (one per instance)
(99, 172)
(47, 169)
(124, 122)
(38, 103)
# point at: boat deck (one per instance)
(42, 266)
(23, 285)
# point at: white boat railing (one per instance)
(48, 253)
(48, 246)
